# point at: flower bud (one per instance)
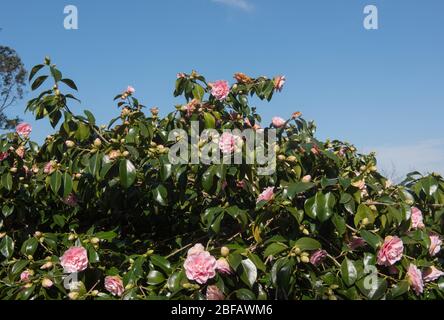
(97, 143)
(47, 265)
(224, 251)
(95, 240)
(306, 179)
(47, 283)
(13, 170)
(74, 295)
(365, 221)
(305, 259)
(297, 250)
(125, 154)
(70, 144)
(291, 159)
(38, 234)
(281, 157)
(47, 61)
(95, 293)
(72, 237)
(306, 232)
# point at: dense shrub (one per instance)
(106, 202)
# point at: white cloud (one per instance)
(240, 4)
(424, 156)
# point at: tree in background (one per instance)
(12, 83)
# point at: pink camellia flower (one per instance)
(200, 267)
(197, 248)
(114, 285)
(435, 244)
(278, 122)
(24, 276)
(227, 142)
(20, 152)
(417, 219)
(3, 155)
(222, 266)
(391, 251)
(49, 167)
(214, 293)
(266, 195)
(70, 200)
(130, 90)
(75, 259)
(220, 89)
(279, 82)
(318, 257)
(431, 274)
(414, 277)
(356, 243)
(24, 129)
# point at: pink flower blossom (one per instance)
(214, 293)
(114, 285)
(70, 200)
(431, 274)
(200, 267)
(75, 259)
(435, 244)
(417, 219)
(24, 276)
(266, 195)
(279, 82)
(240, 184)
(49, 168)
(130, 90)
(24, 129)
(181, 75)
(227, 142)
(197, 248)
(391, 251)
(356, 243)
(278, 122)
(318, 257)
(47, 283)
(220, 89)
(222, 266)
(3, 155)
(414, 277)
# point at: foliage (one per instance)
(12, 82)
(112, 190)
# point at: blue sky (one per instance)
(382, 90)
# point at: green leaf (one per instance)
(307, 244)
(90, 116)
(29, 246)
(160, 194)
(106, 235)
(67, 184)
(339, 223)
(38, 82)
(249, 276)
(399, 289)
(94, 164)
(19, 266)
(297, 188)
(372, 239)
(245, 294)
(70, 83)
(155, 278)
(7, 247)
(320, 206)
(82, 132)
(375, 291)
(274, 249)
(34, 71)
(349, 272)
(127, 173)
(198, 92)
(56, 181)
(7, 181)
(166, 170)
(162, 263)
(208, 178)
(364, 212)
(57, 75)
(210, 122)
(7, 210)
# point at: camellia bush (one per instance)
(99, 212)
